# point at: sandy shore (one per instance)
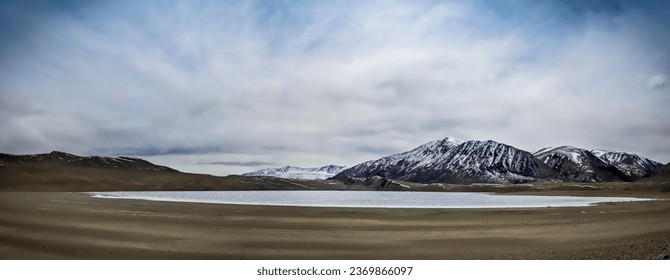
(44, 225)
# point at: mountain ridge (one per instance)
(447, 160)
(581, 165)
(456, 162)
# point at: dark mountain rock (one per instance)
(661, 173)
(373, 183)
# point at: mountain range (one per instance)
(454, 161)
(443, 161)
(293, 172)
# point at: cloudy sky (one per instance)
(227, 87)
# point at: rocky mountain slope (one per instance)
(661, 173)
(575, 164)
(293, 172)
(453, 161)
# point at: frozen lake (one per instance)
(366, 199)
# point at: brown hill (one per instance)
(58, 171)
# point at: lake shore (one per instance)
(65, 225)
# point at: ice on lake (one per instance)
(366, 199)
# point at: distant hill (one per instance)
(56, 159)
(293, 172)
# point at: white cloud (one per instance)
(326, 83)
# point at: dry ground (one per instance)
(72, 225)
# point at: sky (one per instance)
(225, 87)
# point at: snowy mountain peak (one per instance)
(453, 140)
(446, 142)
(576, 155)
(293, 172)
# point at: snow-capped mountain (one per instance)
(453, 161)
(576, 164)
(293, 172)
(632, 165)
